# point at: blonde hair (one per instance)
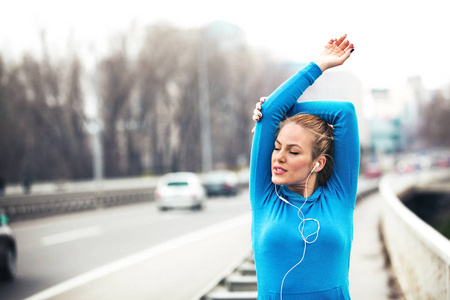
(322, 143)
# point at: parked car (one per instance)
(180, 190)
(373, 170)
(221, 182)
(8, 250)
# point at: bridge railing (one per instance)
(420, 255)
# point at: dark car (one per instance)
(8, 250)
(221, 182)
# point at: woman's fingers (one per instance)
(261, 101)
(351, 48)
(344, 45)
(339, 41)
(347, 51)
(256, 115)
(257, 111)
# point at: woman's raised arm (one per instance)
(275, 109)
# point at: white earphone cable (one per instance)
(301, 228)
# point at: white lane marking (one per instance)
(25, 225)
(72, 235)
(140, 257)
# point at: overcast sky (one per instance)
(394, 39)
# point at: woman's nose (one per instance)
(281, 156)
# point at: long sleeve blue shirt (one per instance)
(276, 240)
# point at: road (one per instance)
(129, 252)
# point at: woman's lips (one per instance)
(278, 170)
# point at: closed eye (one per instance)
(277, 146)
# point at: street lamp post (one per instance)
(204, 102)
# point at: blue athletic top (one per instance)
(277, 243)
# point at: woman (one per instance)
(303, 185)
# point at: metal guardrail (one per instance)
(238, 285)
(59, 198)
(21, 207)
(420, 256)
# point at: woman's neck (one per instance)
(300, 188)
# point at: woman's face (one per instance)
(292, 156)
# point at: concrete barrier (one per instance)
(420, 255)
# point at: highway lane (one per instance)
(80, 255)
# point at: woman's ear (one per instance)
(322, 160)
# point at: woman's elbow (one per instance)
(348, 110)
(348, 107)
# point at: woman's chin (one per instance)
(277, 180)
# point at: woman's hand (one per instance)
(257, 115)
(335, 53)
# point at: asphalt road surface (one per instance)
(130, 252)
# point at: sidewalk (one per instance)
(370, 278)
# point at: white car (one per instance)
(180, 190)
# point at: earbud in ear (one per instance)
(315, 166)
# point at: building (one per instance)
(394, 116)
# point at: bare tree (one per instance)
(116, 83)
(436, 121)
(187, 155)
(238, 78)
(43, 122)
(149, 106)
(153, 125)
(163, 61)
(76, 147)
(13, 127)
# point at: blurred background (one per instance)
(131, 88)
(99, 99)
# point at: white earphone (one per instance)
(315, 166)
(301, 227)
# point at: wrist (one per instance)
(322, 65)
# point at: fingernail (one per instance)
(352, 50)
